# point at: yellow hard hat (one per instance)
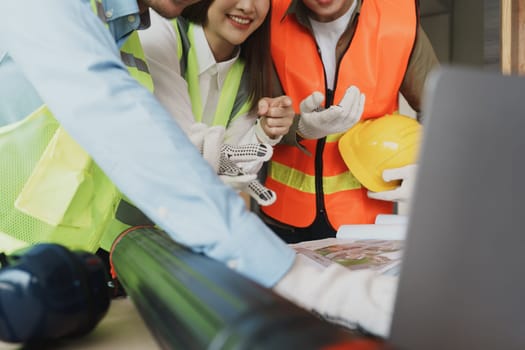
(373, 145)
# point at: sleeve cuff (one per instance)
(261, 135)
(267, 264)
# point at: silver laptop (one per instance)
(462, 283)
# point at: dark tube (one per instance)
(190, 301)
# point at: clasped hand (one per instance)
(232, 174)
(227, 160)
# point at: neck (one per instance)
(222, 51)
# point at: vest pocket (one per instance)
(60, 188)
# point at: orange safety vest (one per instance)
(375, 62)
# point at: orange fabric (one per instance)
(287, 152)
(375, 62)
(291, 208)
(332, 156)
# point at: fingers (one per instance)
(389, 196)
(312, 102)
(266, 103)
(276, 126)
(401, 173)
(263, 105)
(392, 174)
(348, 111)
(228, 167)
(353, 103)
(350, 98)
(263, 195)
(277, 115)
(274, 106)
(247, 152)
(357, 109)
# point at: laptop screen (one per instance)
(462, 284)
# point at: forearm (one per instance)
(362, 298)
(422, 60)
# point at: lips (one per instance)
(240, 20)
(324, 2)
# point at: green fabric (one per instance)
(233, 102)
(51, 190)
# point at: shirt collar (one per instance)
(123, 18)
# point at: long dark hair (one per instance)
(255, 51)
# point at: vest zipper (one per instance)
(329, 100)
(319, 149)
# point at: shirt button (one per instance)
(233, 264)
(131, 18)
(162, 212)
(109, 13)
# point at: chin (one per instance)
(169, 11)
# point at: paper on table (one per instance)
(381, 255)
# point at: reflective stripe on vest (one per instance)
(375, 61)
(51, 189)
(233, 100)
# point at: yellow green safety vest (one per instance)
(233, 99)
(51, 190)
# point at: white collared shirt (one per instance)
(160, 47)
(212, 74)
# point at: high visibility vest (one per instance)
(51, 190)
(233, 100)
(375, 62)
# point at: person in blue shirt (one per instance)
(72, 64)
(59, 56)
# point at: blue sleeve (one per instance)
(73, 62)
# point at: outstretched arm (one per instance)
(75, 66)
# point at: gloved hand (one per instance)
(315, 122)
(351, 298)
(232, 174)
(403, 193)
(208, 140)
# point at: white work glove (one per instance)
(233, 175)
(363, 298)
(208, 140)
(316, 122)
(402, 193)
